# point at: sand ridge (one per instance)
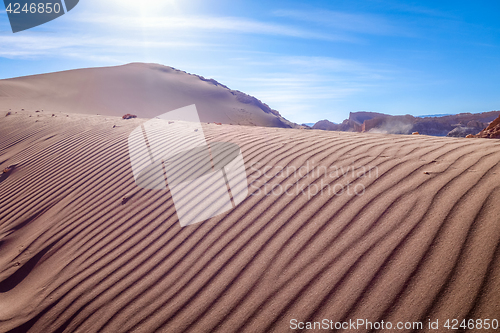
(338, 225)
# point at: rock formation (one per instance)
(492, 131)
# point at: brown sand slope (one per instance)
(421, 241)
(145, 90)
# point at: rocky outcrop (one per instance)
(492, 131)
(350, 125)
(346, 126)
(462, 132)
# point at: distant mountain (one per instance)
(145, 90)
(327, 126)
(436, 115)
(459, 125)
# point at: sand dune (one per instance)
(406, 228)
(145, 90)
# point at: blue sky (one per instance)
(310, 61)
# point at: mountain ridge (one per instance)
(458, 125)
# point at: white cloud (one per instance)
(180, 24)
(35, 44)
(304, 88)
(415, 9)
(351, 22)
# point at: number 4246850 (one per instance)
(477, 324)
(33, 8)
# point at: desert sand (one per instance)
(405, 228)
(145, 90)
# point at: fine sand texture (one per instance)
(145, 90)
(338, 226)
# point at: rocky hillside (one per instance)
(492, 131)
(459, 125)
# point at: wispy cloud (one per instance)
(414, 9)
(355, 69)
(32, 45)
(305, 87)
(182, 24)
(343, 21)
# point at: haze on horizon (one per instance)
(319, 60)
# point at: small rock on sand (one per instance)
(129, 116)
(8, 169)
